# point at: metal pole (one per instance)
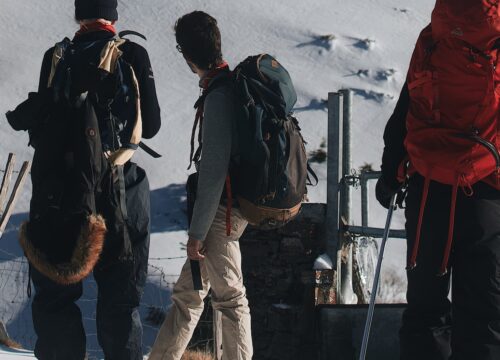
(333, 175)
(373, 295)
(346, 154)
(365, 202)
(344, 278)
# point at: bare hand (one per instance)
(195, 249)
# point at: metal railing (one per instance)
(340, 182)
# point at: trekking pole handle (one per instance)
(373, 295)
(196, 275)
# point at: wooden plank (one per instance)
(4, 188)
(21, 179)
(5, 340)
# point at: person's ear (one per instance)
(192, 66)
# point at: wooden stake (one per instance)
(5, 340)
(4, 188)
(21, 179)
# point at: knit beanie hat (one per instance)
(96, 9)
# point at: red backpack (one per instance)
(453, 117)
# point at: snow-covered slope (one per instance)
(12, 354)
(373, 40)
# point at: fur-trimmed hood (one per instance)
(86, 253)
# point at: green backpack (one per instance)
(270, 173)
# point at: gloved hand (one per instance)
(385, 189)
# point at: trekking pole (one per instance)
(373, 295)
(196, 275)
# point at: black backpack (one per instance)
(270, 173)
(89, 126)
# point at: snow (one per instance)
(323, 262)
(326, 45)
(13, 354)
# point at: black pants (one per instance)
(58, 320)
(469, 327)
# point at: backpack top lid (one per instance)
(476, 22)
(276, 80)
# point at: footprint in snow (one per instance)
(384, 75)
(364, 44)
(315, 104)
(322, 41)
(372, 95)
(401, 10)
(362, 73)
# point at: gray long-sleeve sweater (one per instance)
(219, 144)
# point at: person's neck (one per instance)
(202, 73)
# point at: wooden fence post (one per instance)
(16, 191)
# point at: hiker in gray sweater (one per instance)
(215, 225)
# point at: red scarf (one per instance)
(95, 26)
(224, 66)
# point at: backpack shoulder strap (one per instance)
(110, 55)
(57, 55)
(216, 83)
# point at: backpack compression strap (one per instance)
(311, 173)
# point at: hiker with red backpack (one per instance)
(442, 141)
(251, 168)
(90, 205)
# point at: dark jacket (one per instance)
(394, 137)
(138, 58)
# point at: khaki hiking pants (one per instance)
(220, 271)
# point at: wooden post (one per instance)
(14, 196)
(5, 340)
(4, 188)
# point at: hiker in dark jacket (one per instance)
(453, 230)
(199, 41)
(57, 318)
